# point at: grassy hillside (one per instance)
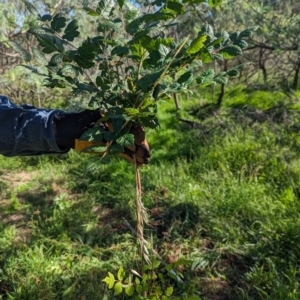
(222, 191)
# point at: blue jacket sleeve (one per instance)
(26, 130)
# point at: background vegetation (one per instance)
(222, 189)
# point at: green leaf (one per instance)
(89, 87)
(109, 136)
(206, 57)
(50, 43)
(213, 3)
(115, 149)
(186, 78)
(93, 135)
(38, 30)
(243, 66)
(234, 36)
(149, 80)
(121, 3)
(241, 43)
(217, 42)
(58, 23)
(109, 280)
(223, 35)
(104, 7)
(126, 140)
(233, 73)
(129, 290)
(206, 77)
(117, 124)
(157, 90)
(25, 55)
(46, 18)
(69, 55)
(156, 264)
(39, 56)
(147, 42)
(118, 288)
(218, 56)
(109, 42)
(83, 63)
(131, 111)
(94, 148)
(197, 44)
(120, 51)
(231, 51)
(56, 59)
(69, 69)
(176, 7)
(154, 59)
(107, 25)
(35, 69)
(71, 31)
(248, 32)
(91, 12)
(194, 1)
(52, 83)
(30, 7)
(220, 78)
(139, 288)
(135, 25)
(161, 278)
(87, 50)
(158, 290)
(169, 291)
(137, 49)
(163, 51)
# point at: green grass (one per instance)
(224, 195)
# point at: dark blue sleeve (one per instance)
(26, 130)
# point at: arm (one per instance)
(26, 130)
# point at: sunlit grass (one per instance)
(224, 195)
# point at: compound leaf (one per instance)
(58, 23)
(71, 31)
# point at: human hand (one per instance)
(141, 148)
(139, 152)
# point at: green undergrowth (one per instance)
(222, 191)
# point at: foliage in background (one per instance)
(274, 48)
(15, 82)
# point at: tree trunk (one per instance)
(175, 96)
(296, 76)
(222, 93)
(261, 64)
(176, 100)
